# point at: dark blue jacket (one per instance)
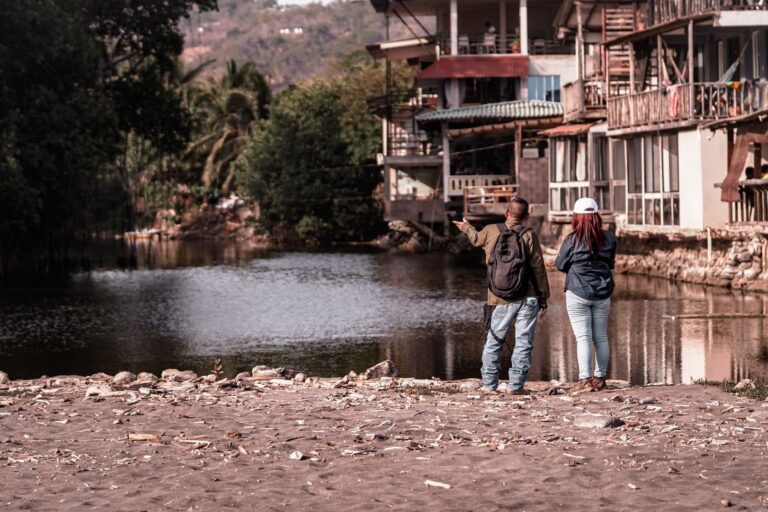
(589, 274)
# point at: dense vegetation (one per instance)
(102, 127)
(78, 80)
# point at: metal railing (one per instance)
(663, 11)
(495, 44)
(711, 100)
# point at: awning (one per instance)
(501, 128)
(760, 116)
(477, 66)
(403, 50)
(503, 111)
(567, 130)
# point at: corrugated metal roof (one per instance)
(506, 110)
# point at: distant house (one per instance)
(465, 139)
(291, 31)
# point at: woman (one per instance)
(587, 256)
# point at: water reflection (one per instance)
(328, 313)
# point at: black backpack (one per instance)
(508, 266)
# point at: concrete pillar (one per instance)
(446, 161)
(503, 47)
(454, 27)
(524, 27)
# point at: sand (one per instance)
(197, 446)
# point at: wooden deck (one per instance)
(686, 102)
(665, 11)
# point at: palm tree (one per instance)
(230, 110)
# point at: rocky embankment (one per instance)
(275, 439)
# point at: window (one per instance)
(568, 172)
(544, 87)
(653, 180)
(619, 184)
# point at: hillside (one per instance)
(290, 44)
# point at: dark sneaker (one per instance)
(598, 383)
(516, 392)
(583, 386)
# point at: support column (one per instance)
(503, 48)
(691, 74)
(524, 27)
(579, 42)
(454, 27)
(446, 161)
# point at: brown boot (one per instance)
(598, 383)
(583, 386)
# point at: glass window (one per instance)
(544, 87)
(635, 165)
(673, 172)
(620, 198)
(619, 161)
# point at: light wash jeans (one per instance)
(589, 320)
(525, 314)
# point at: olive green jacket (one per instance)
(538, 285)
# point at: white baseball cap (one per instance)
(585, 205)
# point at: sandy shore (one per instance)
(271, 443)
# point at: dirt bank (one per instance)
(270, 442)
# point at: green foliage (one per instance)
(77, 76)
(300, 168)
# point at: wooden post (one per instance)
(446, 162)
(518, 154)
(503, 47)
(691, 74)
(524, 27)
(579, 42)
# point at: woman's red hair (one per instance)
(588, 228)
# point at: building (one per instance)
(489, 78)
(580, 151)
(691, 64)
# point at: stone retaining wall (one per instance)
(737, 259)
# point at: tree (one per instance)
(227, 111)
(299, 167)
(76, 77)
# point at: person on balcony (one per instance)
(489, 38)
(587, 256)
(518, 291)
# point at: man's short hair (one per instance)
(518, 208)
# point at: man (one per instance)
(524, 312)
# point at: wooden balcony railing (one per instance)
(711, 100)
(752, 205)
(489, 200)
(583, 97)
(457, 184)
(662, 11)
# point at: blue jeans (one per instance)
(589, 320)
(525, 314)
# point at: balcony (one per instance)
(457, 184)
(495, 44)
(676, 104)
(752, 205)
(664, 11)
(585, 99)
(487, 203)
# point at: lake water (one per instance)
(328, 313)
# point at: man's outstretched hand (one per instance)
(460, 223)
